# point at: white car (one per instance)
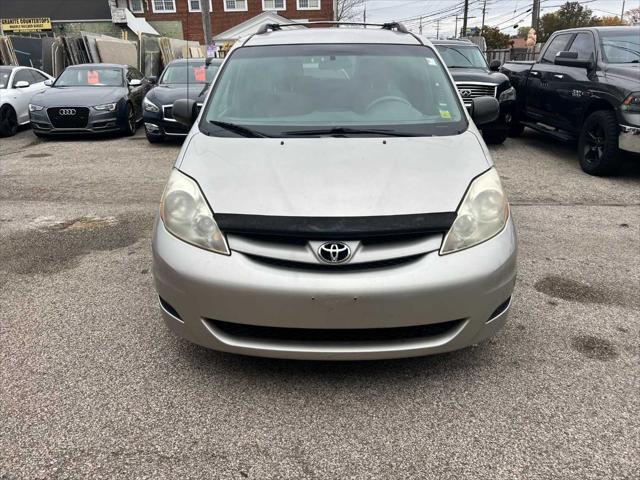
(17, 86)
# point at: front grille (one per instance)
(68, 117)
(334, 335)
(167, 112)
(335, 268)
(474, 90)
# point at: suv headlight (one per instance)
(508, 94)
(632, 103)
(186, 214)
(482, 214)
(149, 106)
(35, 108)
(107, 107)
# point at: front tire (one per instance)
(598, 145)
(494, 138)
(130, 126)
(8, 121)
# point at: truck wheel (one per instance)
(598, 144)
(495, 138)
(516, 129)
(8, 121)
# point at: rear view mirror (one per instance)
(49, 82)
(570, 59)
(153, 80)
(185, 111)
(484, 110)
(495, 64)
(21, 84)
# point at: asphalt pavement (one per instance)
(93, 385)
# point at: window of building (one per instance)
(136, 6)
(235, 5)
(274, 4)
(163, 6)
(195, 6)
(308, 4)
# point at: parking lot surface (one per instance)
(93, 385)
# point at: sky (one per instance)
(501, 13)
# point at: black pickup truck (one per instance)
(585, 87)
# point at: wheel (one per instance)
(495, 137)
(515, 129)
(598, 145)
(131, 125)
(8, 121)
(154, 138)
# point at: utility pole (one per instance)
(420, 25)
(484, 10)
(206, 21)
(438, 29)
(464, 19)
(535, 15)
(622, 14)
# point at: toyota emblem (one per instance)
(465, 93)
(334, 252)
(67, 111)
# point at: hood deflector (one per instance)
(336, 227)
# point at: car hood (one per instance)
(629, 73)
(334, 177)
(167, 94)
(478, 75)
(78, 96)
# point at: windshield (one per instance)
(5, 73)
(621, 46)
(292, 89)
(462, 57)
(188, 72)
(90, 77)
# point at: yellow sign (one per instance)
(10, 25)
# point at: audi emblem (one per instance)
(466, 93)
(334, 252)
(67, 111)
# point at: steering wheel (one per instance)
(387, 99)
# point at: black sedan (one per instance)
(90, 98)
(185, 78)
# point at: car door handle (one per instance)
(558, 75)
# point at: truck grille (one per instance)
(68, 117)
(469, 90)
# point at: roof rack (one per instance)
(272, 27)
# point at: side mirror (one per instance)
(570, 59)
(484, 110)
(48, 82)
(185, 111)
(153, 80)
(135, 82)
(495, 64)
(21, 84)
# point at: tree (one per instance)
(570, 15)
(608, 21)
(523, 32)
(348, 9)
(495, 38)
(632, 16)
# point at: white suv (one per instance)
(17, 86)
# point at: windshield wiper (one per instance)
(349, 131)
(240, 130)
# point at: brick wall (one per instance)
(221, 20)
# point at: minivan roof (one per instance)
(291, 36)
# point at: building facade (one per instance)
(225, 14)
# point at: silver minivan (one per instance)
(334, 200)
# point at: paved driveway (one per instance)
(92, 385)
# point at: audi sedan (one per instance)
(343, 207)
(90, 98)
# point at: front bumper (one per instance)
(629, 139)
(98, 122)
(156, 124)
(197, 286)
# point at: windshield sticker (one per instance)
(431, 61)
(445, 114)
(200, 74)
(93, 77)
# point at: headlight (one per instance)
(632, 103)
(149, 106)
(186, 214)
(508, 94)
(34, 108)
(107, 107)
(482, 214)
